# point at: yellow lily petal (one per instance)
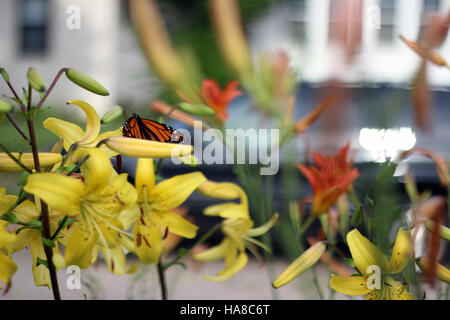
(256, 232)
(96, 170)
(80, 246)
(124, 191)
(402, 251)
(117, 262)
(24, 239)
(397, 291)
(305, 261)
(226, 210)
(60, 192)
(230, 270)
(171, 193)
(7, 268)
(175, 223)
(351, 286)
(365, 253)
(109, 202)
(442, 273)
(92, 121)
(26, 211)
(46, 159)
(221, 190)
(382, 294)
(139, 148)
(148, 241)
(145, 176)
(214, 253)
(129, 216)
(6, 238)
(6, 201)
(41, 275)
(69, 132)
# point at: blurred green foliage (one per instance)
(189, 25)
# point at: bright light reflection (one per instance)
(383, 144)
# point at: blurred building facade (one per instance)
(93, 36)
(354, 41)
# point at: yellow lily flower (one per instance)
(72, 133)
(25, 212)
(97, 203)
(237, 228)
(239, 236)
(154, 211)
(367, 256)
(7, 265)
(46, 159)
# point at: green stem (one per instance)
(61, 225)
(162, 280)
(316, 283)
(45, 217)
(51, 87)
(199, 242)
(14, 124)
(30, 93)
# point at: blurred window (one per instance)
(429, 7)
(34, 25)
(345, 21)
(299, 19)
(388, 11)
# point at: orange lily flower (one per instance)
(330, 178)
(217, 99)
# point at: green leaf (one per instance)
(48, 242)
(357, 217)
(40, 261)
(385, 174)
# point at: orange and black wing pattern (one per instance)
(140, 128)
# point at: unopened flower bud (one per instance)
(86, 82)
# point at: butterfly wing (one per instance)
(156, 131)
(140, 128)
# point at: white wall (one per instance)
(93, 49)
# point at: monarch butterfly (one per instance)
(139, 128)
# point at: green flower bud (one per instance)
(35, 79)
(197, 109)
(112, 115)
(5, 74)
(5, 106)
(86, 82)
